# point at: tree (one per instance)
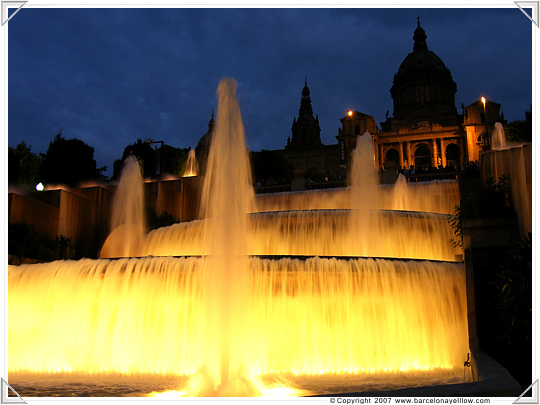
(144, 153)
(520, 131)
(69, 161)
(174, 159)
(24, 167)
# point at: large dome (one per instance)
(422, 62)
(423, 81)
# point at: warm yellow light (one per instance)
(349, 113)
(167, 394)
(283, 392)
(483, 101)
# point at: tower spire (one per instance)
(305, 129)
(419, 37)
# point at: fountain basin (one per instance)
(307, 319)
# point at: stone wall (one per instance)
(83, 214)
(516, 164)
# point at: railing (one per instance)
(439, 175)
(282, 188)
(276, 188)
(325, 184)
(321, 185)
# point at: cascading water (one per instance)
(303, 320)
(229, 324)
(498, 138)
(191, 167)
(436, 196)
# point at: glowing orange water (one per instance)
(128, 221)
(498, 137)
(229, 321)
(321, 233)
(227, 198)
(437, 196)
(302, 317)
(191, 167)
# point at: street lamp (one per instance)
(150, 141)
(486, 137)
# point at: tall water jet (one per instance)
(128, 222)
(191, 167)
(363, 190)
(401, 194)
(227, 198)
(498, 138)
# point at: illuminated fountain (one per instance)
(498, 138)
(245, 301)
(401, 193)
(191, 167)
(128, 223)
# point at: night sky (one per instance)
(109, 76)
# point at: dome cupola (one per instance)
(423, 82)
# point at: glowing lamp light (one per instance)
(483, 101)
(349, 113)
(40, 187)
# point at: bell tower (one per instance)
(305, 130)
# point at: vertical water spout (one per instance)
(227, 198)
(128, 222)
(364, 192)
(191, 167)
(498, 138)
(401, 194)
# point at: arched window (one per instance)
(391, 159)
(422, 157)
(453, 155)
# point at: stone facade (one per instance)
(425, 130)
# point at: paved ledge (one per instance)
(494, 381)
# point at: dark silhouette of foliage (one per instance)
(14, 164)
(492, 200)
(69, 161)
(520, 131)
(24, 167)
(508, 285)
(25, 242)
(146, 155)
(513, 288)
(174, 159)
(155, 221)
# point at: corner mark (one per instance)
(5, 13)
(529, 4)
(529, 400)
(6, 399)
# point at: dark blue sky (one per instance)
(111, 75)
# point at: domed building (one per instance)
(425, 130)
(203, 146)
(423, 90)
